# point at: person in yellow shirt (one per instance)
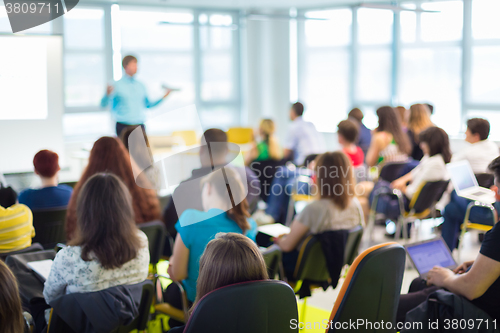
(16, 228)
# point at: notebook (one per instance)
(274, 230)
(429, 253)
(41, 268)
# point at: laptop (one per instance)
(465, 183)
(426, 254)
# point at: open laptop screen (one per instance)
(461, 176)
(429, 254)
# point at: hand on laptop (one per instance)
(438, 275)
(463, 268)
(399, 184)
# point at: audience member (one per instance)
(455, 210)
(431, 108)
(107, 249)
(268, 148)
(389, 143)
(188, 194)
(480, 150)
(403, 116)
(478, 281)
(11, 311)
(436, 147)
(51, 194)
(228, 259)
(303, 138)
(365, 135)
(347, 132)
(420, 120)
(109, 155)
(337, 208)
(16, 227)
(222, 213)
(8, 196)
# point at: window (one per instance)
(446, 24)
(85, 60)
(375, 26)
(485, 23)
(485, 74)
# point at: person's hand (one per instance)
(109, 89)
(399, 184)
(438, 275)
(167, 92)
(463, 268)
(278, 239)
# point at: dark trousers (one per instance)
(121, 126)
(172, 295)
(417, 294)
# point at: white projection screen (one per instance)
(31, 99)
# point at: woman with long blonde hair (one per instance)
(268, 148)
(419, 121)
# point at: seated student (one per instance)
(303, 138)
(420, 120)
(196, 228)
(403, 116)
(51, 194)
(11, 311)
(335, 209)
(480, 151)
(107, 249)
(347, 132)
(365, 135)
(228, 259)
(436, 147)
(268, 148)
(478, 281)
(188, 194)
(16, 225)
(109, 155)
(389, 143)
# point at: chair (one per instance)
(188, 137)
(49, 226)
(273, 259)
(391, 171)
(468, 225)
(258, 306)
(421, 205)
(485, 179)
(352, 244)
(139, 323)
(265, 171)
(33, 248)
(371, 289)
(297, 196)
(240, 135)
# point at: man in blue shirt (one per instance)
(128, 98)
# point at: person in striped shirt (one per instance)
(16, 228)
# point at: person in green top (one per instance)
(268, 148)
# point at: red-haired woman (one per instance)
(110, 155)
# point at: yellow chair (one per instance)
(189, 137)
(468, 225)
(240, 135)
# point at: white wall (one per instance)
(21, 139)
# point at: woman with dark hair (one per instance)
(11, 311)
(228, 259)
(437, 153)
(420, 120)
(336, 207)
(108, 249)
(109, 155)
(389, 142)
(225, 210)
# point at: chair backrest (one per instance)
(371, 289)
(272, 257)
(33, 248)
(156, 233)
(141, 321)
(485, 179)
(259, 306)
(49, 226)
(188, 137)
(428, 195)
(240, 135)
(311, 264)
(391, 171)
(265, 171)
(352, 244)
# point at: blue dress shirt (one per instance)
(128, 101)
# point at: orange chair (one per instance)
(371, 290)
(240, 135)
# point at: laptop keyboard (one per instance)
(478, 193)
